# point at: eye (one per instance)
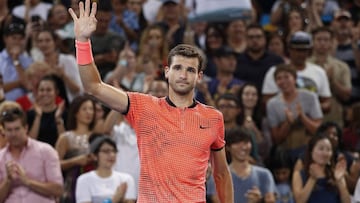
(191, 70)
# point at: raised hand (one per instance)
(85, 24)
(340, 169)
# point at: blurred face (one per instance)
(99, 111)
(282, 175)
(322, 43)
(60, 15)
(107, 156)
(226, 64)
(45, 43)
(322, 152)
(46, 93)
(183, 75)
(276, 46)
(14, 41)
(130, 58)
(117, 6)
(15, 133)
(285, 81)
(158, 89)
(103, 20)
(256, 41)
(332, 134)
(240, 151)
(295, 21)
(236, 29)
(213, 39)
(319, 5)
(171, 11)
(249, 97)
(229, 109)
(298, 56)
(135, 6)
(155, 39)
(86, 113)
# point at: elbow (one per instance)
(59, 191)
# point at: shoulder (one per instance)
(315, 68)
(274, 100)
(44, 148)
(262, 172)
(307, 94)
(123, 176)
(85, 177)
(208, 110)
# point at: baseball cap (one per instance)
(14, 28)
(342, 14)
(224, 51)
(300, 40)
(170, 1)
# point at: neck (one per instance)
(299, 66)
(48, 107)
(290, 96)
(256, 55)
(248, 112)
(103, 172)
(227, 76)
(51, 58)
(82, 129)
(181, 101)
(320, 58)
(241, 168)
(237, 44)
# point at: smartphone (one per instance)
(35, 18)
(123, 62)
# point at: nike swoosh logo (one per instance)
(203, 127)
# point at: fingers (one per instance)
(93, 9)
(72, 13)
(81, 9)
(87, 8)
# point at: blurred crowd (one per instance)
(286, 79)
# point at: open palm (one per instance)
(85, 24)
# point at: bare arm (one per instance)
(302, 194)
(111, 119)
(83, 27)
(310, 124)
(279, 133)
(325, 103)
(45, 188)
(222, 177)
(4, 189)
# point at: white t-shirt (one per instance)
(312, 78)
(92, 188)
(40, 9)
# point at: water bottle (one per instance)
(108, 200)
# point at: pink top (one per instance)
(40, 162)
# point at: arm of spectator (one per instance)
(325, 104)
(58, 118)
(35, 127)
(302, 193)
(339, 175)
(311, 124)
(111, 120)
(130, 33)
(222, 176)
(355, 46)
(5, 188)
(341, 89)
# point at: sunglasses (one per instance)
(11, 112)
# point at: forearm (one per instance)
(112, 118)
(310, 124)
(325, 106)
(340, 91)
(12, 85)
(35, 127)
(45, 189)
(60, 125)
(279, 134)
(69, 163)
(5, 186)
(224, 186)
(343, 190)
(304, 194)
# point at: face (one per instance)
(86, 113)
(240, 151)
(255, 40)
(60, 15)
(295, 21)
(135, 6)
(282, 175)
(130, 58)
(171, 11)
(15, 133)
(99, 111)
(322, 152)
(14, 41)
(183, 75)
(117, 6)
(319, 5)
(155, 38)
(332, 134)
(249, 97)
(276, 46)
(103, 20)
(298, 56)
(213, 39)
(236, 29)
(107, 156)
(46, 43)
(285, 81)
(229, 109)
(46, 92)
(158, 89)
(322, 43)
(226, 64)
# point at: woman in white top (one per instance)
(104, 184)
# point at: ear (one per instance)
(200, 75)
(166, 71)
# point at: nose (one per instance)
(183, 74)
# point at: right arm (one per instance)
(4, 189)
(111, 119)
(302, 193)
(83, 27)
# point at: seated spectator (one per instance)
(13, 61)
(251, 183)
(29, 169)
(119, 187)
(73, 145)
(294, 115)
(46, 118)
(323, 177)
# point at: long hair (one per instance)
(74, 109)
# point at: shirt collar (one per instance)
(172, 104)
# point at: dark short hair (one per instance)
(284, 68)
(331, 124)
(187, 51)
(13, 114)
(228, 96)
(255, 27)
(237, 135)
(98, 140)
(322, 29)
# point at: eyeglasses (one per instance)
(108, 151)
(11, 112)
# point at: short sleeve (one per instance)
(269, 85)
(82, 191)
(52, 165)
(269, 183)
(272, 114)
(315, 111)
(220, 134)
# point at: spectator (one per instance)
(229, 105)
(321, 180)
(357, 192)
(26, 164)
(73, 145)
(45, 120)
(236, 35)
(5, 105)
(32, 8)
(120, 187)
(4, 17)
(13, 61)
(253, 64)
(294, 115)
(280, 11)
(63, 65)
(158, 88)
(337, 71)
(59, 22)
(136, 6)
(309, 76)
(352, 131)
(277, 45)
(251, 183)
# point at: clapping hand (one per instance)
(85, 24)
(253, 195)
(340, 169)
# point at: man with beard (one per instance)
(253, 64)
(176, 134)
